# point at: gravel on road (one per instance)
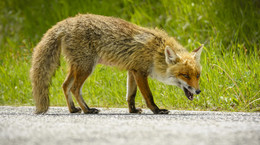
(115, 126)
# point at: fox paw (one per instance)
(75, 110)
(161, 111)
(92, 111)
(137, 110)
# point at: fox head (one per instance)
(183, 70)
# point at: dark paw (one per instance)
(137, 110)
(76, 110)
(161, 111)
(92, 111)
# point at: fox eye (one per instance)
(198, 75)
(186, 76)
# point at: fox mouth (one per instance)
(188, 94)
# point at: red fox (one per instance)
(88, 40)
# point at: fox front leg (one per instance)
(142, 83)
(131, 93)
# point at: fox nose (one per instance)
(198, 91)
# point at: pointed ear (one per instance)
(197, 52)
(170, 55)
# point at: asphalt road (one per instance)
(19, 126)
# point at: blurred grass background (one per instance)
(230, 30)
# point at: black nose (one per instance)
(198, 91)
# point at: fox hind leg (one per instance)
(131, 93)
(66, 89)
(80, 74)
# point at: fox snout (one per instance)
(198, 91)
(190, 91)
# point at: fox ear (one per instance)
(170, 55)
(197, 52)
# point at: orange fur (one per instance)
(86, 40)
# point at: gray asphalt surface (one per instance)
(19, 126)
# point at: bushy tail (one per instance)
(45, 60)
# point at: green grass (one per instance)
(230, 30)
